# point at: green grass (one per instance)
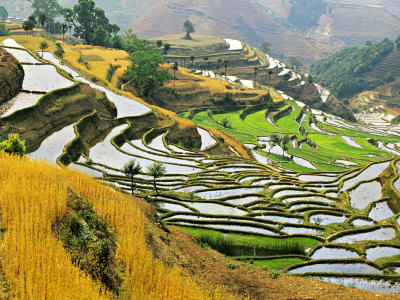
(237, 124)
(250, 239)
(297, 168)
(289, 122)
(202, 119)
(351, 132)
(329, 167)
(276, 264)
(336, 143)
(258, 120)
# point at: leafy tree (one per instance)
(270, 72)
(43, 46)
(3, 30)
(255, 75)
(131, 43)
(131, 169)
(64, 28)
(192, 59)
(166, 49)
(174, 67)
(284, 142)
(205, 64)
(100, 36)
(50, 8)
(159, 43)
(144, 71)
(156, 169)
(273, 140)
(86, 18)
(294, 62)
(265, 47)
(226, 63)
(42, 18)
(3, 13)
(189, 28)
(13, 145)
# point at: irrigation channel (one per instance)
(338, 224)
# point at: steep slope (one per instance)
(11, 76)
(245, 20)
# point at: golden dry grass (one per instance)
(36, 266)
(232, 142)
(30, 42)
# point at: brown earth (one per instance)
(11, 76)
(55, 111)
(177, 248)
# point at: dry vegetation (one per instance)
(34, 196)
(29, 42)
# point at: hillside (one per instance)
(11, 76)
(251, 169)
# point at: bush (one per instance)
(13, 145)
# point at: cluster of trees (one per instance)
(304, 14)
(3, 30)
(276, 140)
(144, 71)
(132, 169)
(3, 13)
(88, 21)
(343, 71)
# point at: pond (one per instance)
(377, 286)
(53, 146)
(368, 174)
(380, 211)
(37, 79)
(381, 234)
(333, 253)
(337, 268)
(378, 252)
(23, 56)
(216, 194)
(20, 101)
(206, 139)
(365, 194)
(216, 209)
(323, 219)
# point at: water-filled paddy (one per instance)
(381, 234)
(337, 268)
(333, 253)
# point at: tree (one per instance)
(131, 169)
(265, 47)
(100, 36)
(86, 17)
(3, 30)
(159, 43)
(43, 46)
(174, 67)
(192, 59)
(42, 21)
(50, 8)
(3, 13)
(64, 28)
(13, 145)
(294, 62)
(131, 43)
(284, 142)
(166, 49)
(270, 72)
(205, 64)
(144, 71)
(255, 76)
(189, 28)
(156, 169)
(273, 140)
(226, 63)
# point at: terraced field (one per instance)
(324, 204)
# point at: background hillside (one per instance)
(309, 30)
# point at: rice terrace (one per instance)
(193, 166)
